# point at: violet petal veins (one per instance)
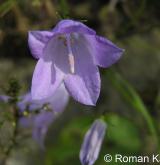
(92, 143)
(70, 54)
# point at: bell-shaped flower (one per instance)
(57, 102)
(70, 54)
(42, 120)
(92, 143)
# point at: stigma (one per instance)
(71, 59)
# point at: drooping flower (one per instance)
(56, 102)
(70, 54)
(92, 143)
(41, 121)
(40, 113)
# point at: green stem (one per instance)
(14, 137)
(64, 9)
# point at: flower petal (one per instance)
(37, 40)
(84, 85)
(59, 100)
(24, 102)
(92, 143)
(26, 122)
(56, 51)
(46, 79)
(4, 98)
(41, 124)
(70, 26)
(27, 103)
(105, 53)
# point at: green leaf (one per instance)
(123, 133)
(6, 7)
(64, 9)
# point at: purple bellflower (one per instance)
(92, 143)
(41, 121)
(70, 54)
(48, 110)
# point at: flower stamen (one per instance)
(71, 63)
(70, 55)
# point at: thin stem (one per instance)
(64, 9)
(14, 137)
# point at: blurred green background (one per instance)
(130, 95)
